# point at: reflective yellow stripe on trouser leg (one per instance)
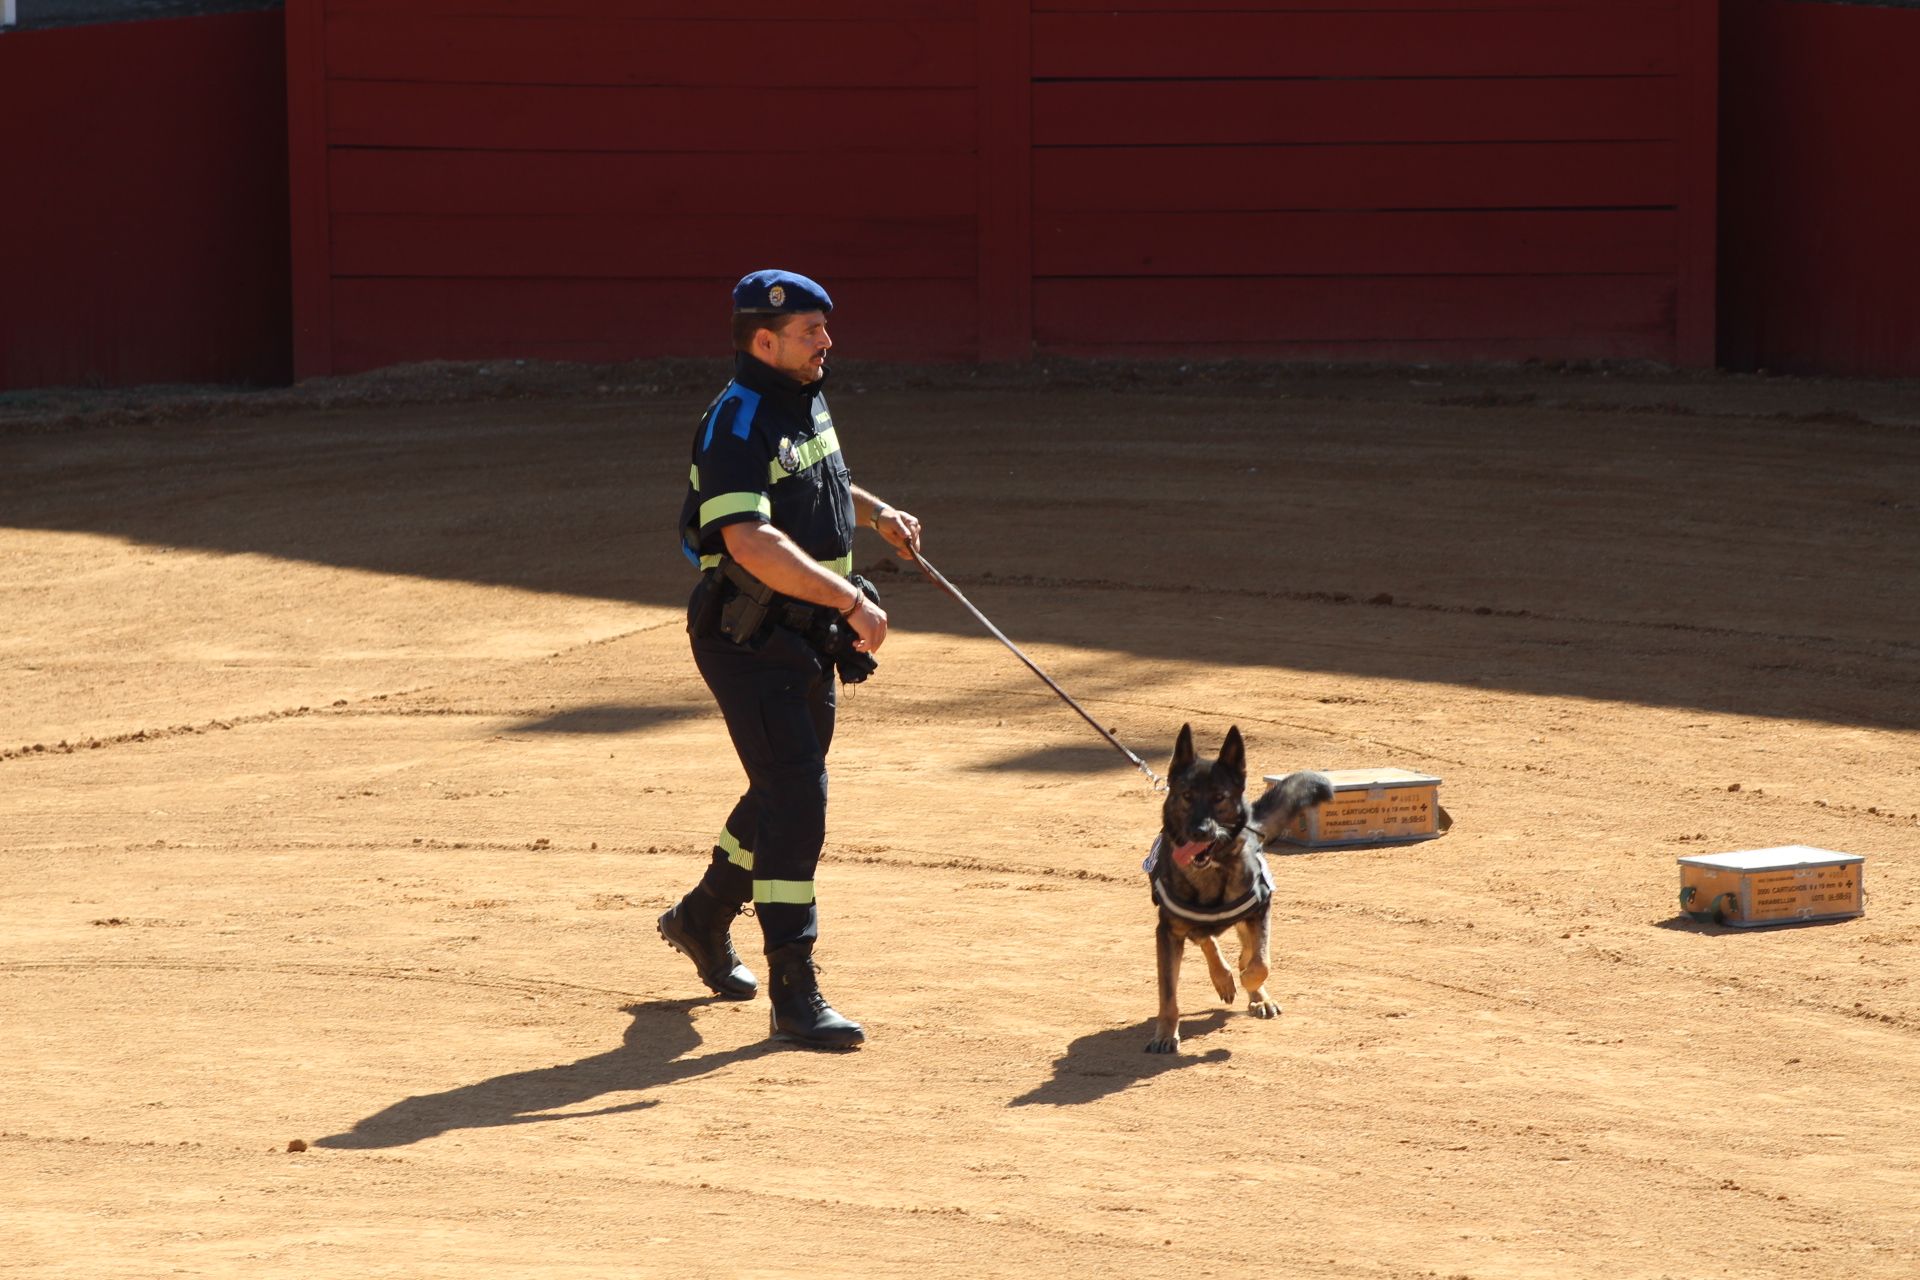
(797, 893)
(738, 856)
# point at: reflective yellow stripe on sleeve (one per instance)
(728, 504)
(797, 893)
(810, 453)
(737, 855)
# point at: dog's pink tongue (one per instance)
(1183, 856)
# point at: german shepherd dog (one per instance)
(1209, 874)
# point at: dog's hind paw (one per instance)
(1261, 1007)
(1164, 1044)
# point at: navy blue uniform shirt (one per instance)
(766, 451)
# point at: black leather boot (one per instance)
(697, 928)
(801, 1015)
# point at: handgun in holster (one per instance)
(743, 616)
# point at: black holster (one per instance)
(746, 602)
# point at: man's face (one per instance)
(798, 348)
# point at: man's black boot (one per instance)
(801, 1015)
(697, 928)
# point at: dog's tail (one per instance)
(1287, 798)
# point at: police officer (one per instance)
(778, 617)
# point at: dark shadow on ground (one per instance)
(1744, 566)
(609, 718)
(651, 1055)
(1706, 928)
(1082, 759)
(1108, 1061)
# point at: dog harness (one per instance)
(1255, 900)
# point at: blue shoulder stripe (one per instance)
(749, 403)
(737, 404)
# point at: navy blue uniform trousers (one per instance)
(778, 701)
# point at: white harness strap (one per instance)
(1260, 894)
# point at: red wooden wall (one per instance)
(143, 203)
(1821, 221)
(1459, 179)
(983, 178)
(584, 179)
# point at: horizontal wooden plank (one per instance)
(840, 184)
(1349, 309)
(1552, 175)
(1288, 6)
(1425, 243)
(380, 322)
(1599, 346)
(574, 118)
(701, 246)
(1369, 42)
(707, 10)
(1186, 112)
(797, 51)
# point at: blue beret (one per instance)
(779, 293)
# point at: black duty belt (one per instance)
(797, 615)
(783, 609)
(745, 610)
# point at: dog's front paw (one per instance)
(1261, 1007)
(1164, 1044)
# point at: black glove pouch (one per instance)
(834, 639)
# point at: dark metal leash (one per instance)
(939, 580)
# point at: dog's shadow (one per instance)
(651, 1053)
(1108, 1061)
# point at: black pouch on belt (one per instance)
(743, 617)
(835, 640)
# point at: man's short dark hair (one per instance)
(748, 323)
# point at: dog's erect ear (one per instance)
(1183, 755)
(1233, 755)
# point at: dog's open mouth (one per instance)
(1198, 853)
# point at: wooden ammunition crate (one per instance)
(1791, 884)
(1370, 806)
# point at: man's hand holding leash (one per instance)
(900, 528)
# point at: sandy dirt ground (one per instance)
(350, 751)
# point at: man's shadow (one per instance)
(650, 1054)
(1108, 1061)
